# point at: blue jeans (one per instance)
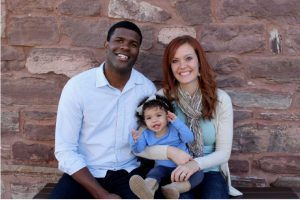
(213, 186)
(116, 182)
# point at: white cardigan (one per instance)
(223, 121)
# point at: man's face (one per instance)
(122, 49)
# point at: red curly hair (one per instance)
(207, 82)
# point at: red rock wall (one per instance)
(252, 45)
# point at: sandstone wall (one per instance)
(252, 45)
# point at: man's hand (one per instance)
(135, 135)
(171, 116)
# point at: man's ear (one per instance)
(106, 43)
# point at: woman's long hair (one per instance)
(207, 82)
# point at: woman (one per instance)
(190, 83)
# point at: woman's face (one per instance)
(185, 65)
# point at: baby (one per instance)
(163, 128)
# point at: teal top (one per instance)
(208, 132)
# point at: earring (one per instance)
(199, 75)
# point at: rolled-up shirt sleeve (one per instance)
(67, 133)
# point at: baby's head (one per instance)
(156, 107)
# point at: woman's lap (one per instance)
(213, 186)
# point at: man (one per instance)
(94, 119)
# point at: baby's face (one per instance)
(156, 119)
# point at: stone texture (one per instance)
(280, 116)
(29, 7)
(234, 38)
(194, 12)
(151, 66)
(261, 98)
(167, 34)
(77, 29)
(9, 122)
(4, 66)
(238, 166)
(30, 91)
(40, 115)
(297, 103)
(25, 190)
(237, 181)
(32, 152)
(32, 31)
(142, 12)
(12, 53)
(39, 132)
(2, 190)
(17, 169)
(292, 40)
(224, 65)
(276, 11)
(229, 81)
(5, 152)
(239, 115)
(281, 70)
(3, 20)
(148, 36)
(16, 65)
(258, 138)
(275, 41)
(283, 181)
(60, 61)
(80, 8)
(286, 164)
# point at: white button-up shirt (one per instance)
(94, 122)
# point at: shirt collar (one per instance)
(102, 81)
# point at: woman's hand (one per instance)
(178, 156)
(185, 171)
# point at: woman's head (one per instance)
(183, 50)
(159, 105)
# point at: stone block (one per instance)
(238, 166)
(150, 65)
(281, 70)
(60, 61)
(23, 190)
(239, 115)
(3, 20)
(32, 31)
(297, 102)
(229, 81)
(224, 65)
(148, 36)
(292, 40)
(234, 38)
(9, 122)
(237, 181)
(16, 65)
(86, 33)
(29, 7)
(40, 115)
(32, 152)
(280, 116)
(258, 138)
(4, 66)
(166, 35)
(286, 164)
(194, 12)
(79, 8)
(261, 98)
(39, 132)
(283, 11)
(30, 91)
(142, 12)
(5, 151)
(12, 53)
(283, 181)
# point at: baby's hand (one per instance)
(171, 116)
(135, 135)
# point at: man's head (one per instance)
(124, 24)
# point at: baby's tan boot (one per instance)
(144, 189)
(173, 190)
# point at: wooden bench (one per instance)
(248, 193)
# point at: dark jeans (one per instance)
(161, 173)
(116, 182)
(213, 186)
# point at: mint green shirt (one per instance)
(208, 132)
